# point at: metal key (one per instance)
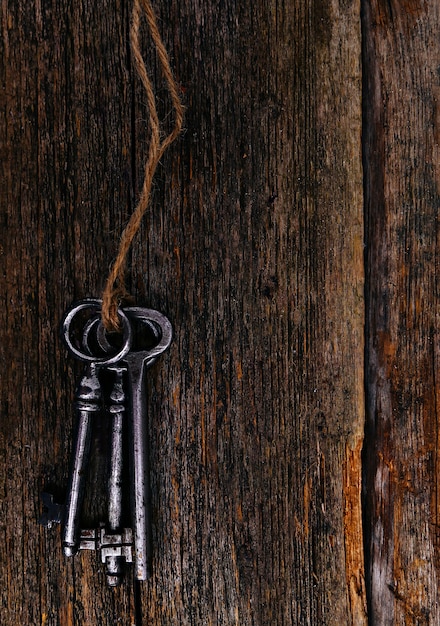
(88, 399)
(88, 403)
(137, 363)
(113, 543)
(115, 563)
(116, 545)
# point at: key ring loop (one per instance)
(156, 321)
(159, 320)
(90, 303)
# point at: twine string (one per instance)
(115, 291)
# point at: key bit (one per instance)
(53, 513)
(112, 547)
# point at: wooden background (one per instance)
(294, 422)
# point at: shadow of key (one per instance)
(53, 513)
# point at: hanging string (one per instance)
(115, 291)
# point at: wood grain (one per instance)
(253, 248)
(402, 61)
(66, 169)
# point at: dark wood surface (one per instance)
(254, 248)
(402, 88)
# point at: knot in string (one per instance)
(115, 291)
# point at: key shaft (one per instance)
(137, 362)
(115, 563)
(88, 398)
(140, 489)
(117, 413)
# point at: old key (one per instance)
(88, 398)
(146, 334)
(137, 361)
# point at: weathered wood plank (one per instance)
(253, 248)
(66, 165)
(262, 225)
(402, 61)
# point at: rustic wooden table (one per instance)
(291, 381)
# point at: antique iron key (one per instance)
(137, 361)
(137, 364)
(127, 364)
(88, 404)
